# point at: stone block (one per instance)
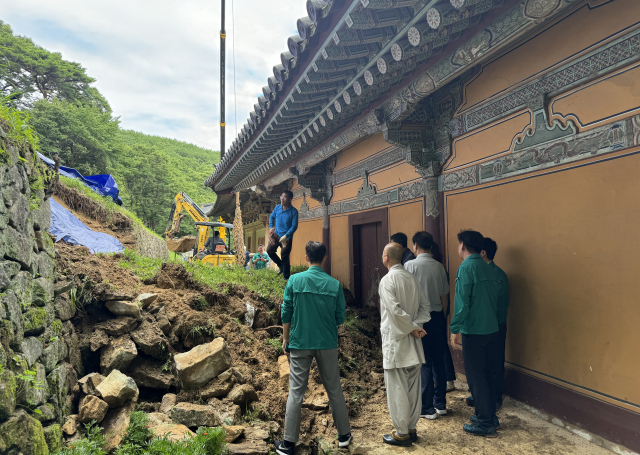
(44, 243)
(124, 308)
(21, 286)
(36, 320)
(70, 426)
(14, 314)
(194, 415)
(47, 413)
(92, 408)
(146, 299)
(219, 387)
(232, 432)
(249, 448)
(173, 432)
(90, 382)
(158, 418)
(7, 394)
(169, 400)
(243, 394)
(118, 326)
(202, 363)
(53, 437)
(148, 373)
(64, 307)
(42, 217)
(31, 349)
(23, 434)
(17, 247)
(117, 388)
(163, 323)
(46, 266)
(114, 425)
(54, 354)
(149, 338)
(18, 213)
(114, 294)
(98, 340)
(74, 355)
(117, 355)
(41, 291)
(63, 287)
(226, 412)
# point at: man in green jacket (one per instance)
(312, 309)
(475, 318)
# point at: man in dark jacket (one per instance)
(401, 239)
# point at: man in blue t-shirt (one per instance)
(260, 259)
(283, 222)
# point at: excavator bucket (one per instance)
(181, 245)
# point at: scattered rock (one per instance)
(194, 415)
(202, 363)
(90, 382)
(172, 431)
(242, 375)
(124, 308)
(243, 394)
(118, 326)
(98, 340)
(31, 350)
(226, 412)
(249, 448)
(146, 299)
(158, 418)
(150, 339)
(117, 355)
(283, 367)
(115, 295)
(317, 402)
(92, 408)
(219, 387)
(148, 407)
(47, 413)
(149, 373)
(71, 425)
(64, 307)
(168, 401)
(116, 422)
(117, 388)
(163, 323)
(63, 287)
(232, 433)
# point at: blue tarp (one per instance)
(65, 226)
(103, 184)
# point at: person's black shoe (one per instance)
(394, 440)
(476, 430)
(496, 422)
(285, 447)
(344, 440)
(279, 271)
(413, 435)
(470, 401)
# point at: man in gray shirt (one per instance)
(433, 279)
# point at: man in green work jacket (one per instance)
(312, 309)
(475, 318)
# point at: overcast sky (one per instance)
(157, 61)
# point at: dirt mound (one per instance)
(78, 202)
(181, 245)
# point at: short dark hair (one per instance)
(400, 238)
(216, 233)
(473, 241)
(288, 193)
(424, 240)
(315, 251)
(260, 246)
(490, 247)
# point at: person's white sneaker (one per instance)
(441, 412)
(344, 440)
(433, 416)
(451, 386)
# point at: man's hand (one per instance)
(418, 333)
(455, 338)
(272, 230)
(284, 343)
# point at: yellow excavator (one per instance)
(221, 254)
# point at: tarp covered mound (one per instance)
(103, 184)
(65, 226)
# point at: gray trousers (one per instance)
(299, 365)
(404, 397)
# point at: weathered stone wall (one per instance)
(39, 355)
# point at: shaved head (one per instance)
(394, 252)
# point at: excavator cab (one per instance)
(222, 253)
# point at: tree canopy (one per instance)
(29, 72)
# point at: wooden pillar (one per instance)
(326, 238)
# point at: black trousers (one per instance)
(498, 377)
(479, 353)
(433, 374)
(283, 261)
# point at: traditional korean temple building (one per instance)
(517, 118)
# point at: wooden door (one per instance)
(368, 234)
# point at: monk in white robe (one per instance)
(404, 308)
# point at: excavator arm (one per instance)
(183, 203)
